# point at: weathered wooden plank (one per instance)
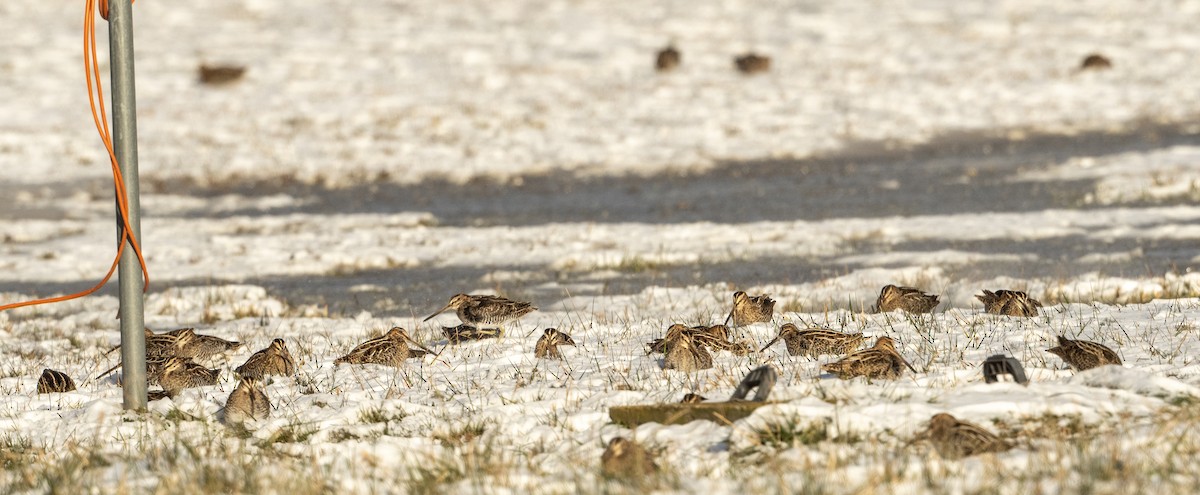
(677, 414)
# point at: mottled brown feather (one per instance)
(668, 59)
(627, 460)
(954, 439)
(909, 299)
(1084, 355)
(247, 402)
(275, 359)
(750, 309)
(1009, 302)
(53, 381)
(752, 63)
(547, 345)
(684, 354)
(180, 373)
(815, 341)
(390, 349)
(880, 361)
(485, 311)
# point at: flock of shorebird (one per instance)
(687, 349)
(171, 358)
(669, 58)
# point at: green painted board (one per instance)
(677, 414)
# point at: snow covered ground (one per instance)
(487, 416)
(364, 169)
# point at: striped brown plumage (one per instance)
(750, 309)
(684, 354)
(1009, 302)
(485, 311)
(627, 460)
(390, 349)
(714, 337)
(1084, 355)
(815, 341)
(880, 361)
(955, 439)
(159, 348)
(179, 373)
(247, 402)
(909, 299)
(467, 333)
(53, 381)
(273, 360)
(547, 345)
(201, 347)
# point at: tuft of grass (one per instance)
(793, 432)
(177, 415)
(464, 434)
(16, 450)
(636, 264)
(291, 433)
(339, 436)
(1047, 426)
(482, 466)
(380, 415)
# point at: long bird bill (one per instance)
(430, 317)
(418, 344)
(774, 340)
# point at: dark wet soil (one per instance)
(952, 174)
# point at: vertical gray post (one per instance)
(124, 116)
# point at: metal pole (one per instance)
(124, 116)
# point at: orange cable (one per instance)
(105, 137)
(91, 70)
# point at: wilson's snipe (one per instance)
(157, 344)
(153, 395)
(390, 349)
(1095, 61)
(752, 63)
(247, 402)
(274, 360)
(813, 342)
(466, 333)
(154, 367)
(547, 345)
(716, 338)
(684, 354)
(747, 309)
(691, 398)
(201, 347)
(1083, 355)
(673, 332)
(217, 75)
(625, 459)
(485, 311)
(183, 338)
(954, 439)
(179, 373)
(1009, 302)
(54, 381)
(909, 299)
(159, 348)
(668, 59)
(880, 361)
